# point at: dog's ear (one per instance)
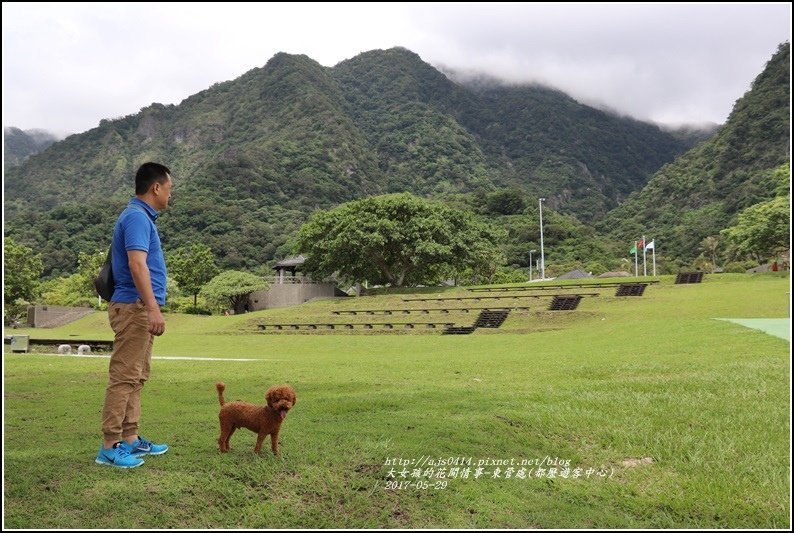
(270, 397)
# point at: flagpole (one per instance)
(654, 257)
(542, 258)
(644, 262)
(636, 266)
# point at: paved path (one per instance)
(779, 327)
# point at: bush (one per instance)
(560, 268)
(740, 267)
(15, 314)
(184, 304)
(702, 264)
(509, 275)
(595, 268)
(69, 291)
(197, 311)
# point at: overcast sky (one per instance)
(67, 66)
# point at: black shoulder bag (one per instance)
(103, 283)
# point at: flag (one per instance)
(650, 246)
(641, 243)
(633, 249)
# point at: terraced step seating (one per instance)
(442, 310)
(487, 319)
(565, 302)
(631, 289)
(458, 330)
(490, 316)
(477, 298)
(689, 277)
(604, 285)
(491, 319)
(352, 325)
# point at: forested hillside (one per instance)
(253, 157)
(18, 145)
(702, 192)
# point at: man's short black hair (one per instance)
(148, 174)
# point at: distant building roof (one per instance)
(620, 274)
(575, 274)
(290, 262)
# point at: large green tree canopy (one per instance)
(192, 266)
(230, 289)
(22, 271)
(398, 239)
(763, 229)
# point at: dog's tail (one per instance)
(221, 387)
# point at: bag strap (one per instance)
(110, 249)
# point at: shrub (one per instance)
(740, 266)
(197, 311)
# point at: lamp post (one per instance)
(530, 263)
(542, 259)
(99, 298)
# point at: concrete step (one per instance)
(458, 330)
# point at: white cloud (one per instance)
(66, 66)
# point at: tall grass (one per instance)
(687, 417)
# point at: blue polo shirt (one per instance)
(135, 230)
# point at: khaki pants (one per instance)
(129, 369)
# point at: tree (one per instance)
(231, 289)
(710, 245)
(506, 201)
(22, 271)
(397, 239)
(762, 230)
(78, 288)
(88, 266)
(192, 267)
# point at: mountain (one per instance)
(409, 113)
(435, 135)
(253, 157)
(583, 160)
(18, 145)
(703, 190)
(692, 134)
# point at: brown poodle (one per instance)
(262, 420)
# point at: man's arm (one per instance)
(143, 282)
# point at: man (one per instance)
(139, 275)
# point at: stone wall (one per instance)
(290, 294)
(52, 316)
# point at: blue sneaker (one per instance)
(117, 456)
(144, 447)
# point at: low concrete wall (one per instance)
(51, 316)
(289, 294)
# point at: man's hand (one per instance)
(143, 282)
(156, 321)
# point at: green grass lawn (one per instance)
(682, 421)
